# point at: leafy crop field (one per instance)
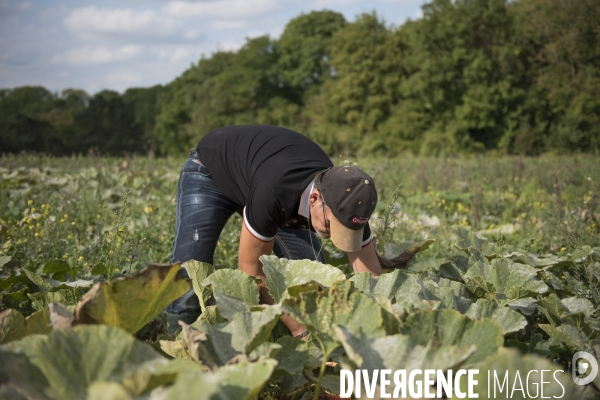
(505, 279)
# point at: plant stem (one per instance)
(321, 372)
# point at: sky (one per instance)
(95, 45)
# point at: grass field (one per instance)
(94, 219)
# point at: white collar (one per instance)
(304, 208)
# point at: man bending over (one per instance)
(286, 189)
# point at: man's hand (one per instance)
(250, 250)
(366, 260)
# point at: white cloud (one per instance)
(98, 55)
(321, 4)
(126, 77)
(224, 9)
(179, 54)
(191, 35)
(230, 44)
(419, 13)
(8, 7)
(220, 24)
(91, 21)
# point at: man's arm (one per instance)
(366, 260)
(250, 250)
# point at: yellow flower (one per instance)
(147, 210)
(66, 216)
(37, 234)
(29, 202)
(73, 223)
(80, 259)
(70, 237)
(98, 216)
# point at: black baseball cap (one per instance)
(351, 195)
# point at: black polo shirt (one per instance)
(264, 169)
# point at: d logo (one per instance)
(582, 367)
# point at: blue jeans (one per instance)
(201, 213)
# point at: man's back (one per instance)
(263, 168)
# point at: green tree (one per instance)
(563, 55)
(465, 81)
(304, 49)
(145, 109)
(22, 123)
(173, 129)
(368, 70)
(228, 88)
(108, 125)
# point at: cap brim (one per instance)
(343, 238)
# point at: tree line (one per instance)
(511, 77)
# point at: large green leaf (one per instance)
(234, 291)
(545, 261)
(573, 338)
(242, 381)
(107, 390)
(449, 294)
(44, 285)
(405, 290)
(455, 268)
(41, 300)
(176, 349)
(510, 321)
(70, 360)
(216, 345)
(292, 357)
(527, 305)
(524, 380)
(399, 352)
(21, 379)
(320, 311)
(385, 285)
(479, 248)
(283, 274)
(503, 280)
(4, 260)
(576, 305)
(155, 374)
(409, 296)
(574, 311)
(198, 272)
(449, 327)
(14, 326)
(131, 302)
